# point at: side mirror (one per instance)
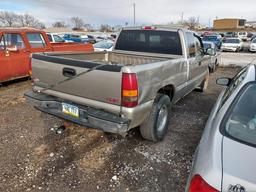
(223, 81)
(12, 48)
(210, 52)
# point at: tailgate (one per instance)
(101, 85)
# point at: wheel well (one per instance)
(167, 90)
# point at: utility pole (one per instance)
(134, 14)
(182, 17)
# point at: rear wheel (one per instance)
(155, 126)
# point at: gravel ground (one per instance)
(33, 158)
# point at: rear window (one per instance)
(150, 41)
(36, 40)
(241, 120)
(235, 41)
(210, 38)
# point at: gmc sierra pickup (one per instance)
(134, 85)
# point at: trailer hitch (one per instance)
(58, 129)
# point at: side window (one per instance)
(199, 47)
(2, 44)
(36, 40)
(11, 40)
(57, 38)
(191, 45)
(236, 81)
(49, 37)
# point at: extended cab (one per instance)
(16, 46)
(134, 85)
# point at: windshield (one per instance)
(103, 44)
(207, 45)
(209, 38)
(150, 41)
(232, 41)
(241, 122)
(57, 38)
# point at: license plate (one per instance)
(70, 110)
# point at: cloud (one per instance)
(118, 12)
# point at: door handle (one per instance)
(68, 72)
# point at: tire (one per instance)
(203, 86)
(153, 128)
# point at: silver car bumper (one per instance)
(88, 116)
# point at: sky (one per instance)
(118, 12)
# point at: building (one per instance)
(220, 24)
(251, 24)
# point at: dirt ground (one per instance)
(34, 158)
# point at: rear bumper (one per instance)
(229, 49)
(88, 116)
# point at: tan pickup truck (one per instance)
(134, 85)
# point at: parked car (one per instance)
(225, 157)
(148, 70)
(79, 38)
(55, 38)
(215, 59)
(232, 44)
(242, 35)
(253, 46)
(230, 34)
(91, 39)
(16, 46)
(217, 39)
(105, 45)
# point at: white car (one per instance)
(105, 45)
(232, 44)
(55, 38)
(253, 45)
(243, 36)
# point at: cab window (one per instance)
(191, 45)
(36, 40)
(199, 46)
(11, 40)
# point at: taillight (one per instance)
(129, 90)
(149, 28)
(198, 184)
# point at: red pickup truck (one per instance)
(16, 45)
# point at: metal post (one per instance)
(134, 16)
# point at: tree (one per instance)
(59, 24)
(77, 22)
(8, 18)
(89, 27)
(191, 23)
(105, 28)
(27, 20)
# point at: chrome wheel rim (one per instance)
(162, 119)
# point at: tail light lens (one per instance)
(149, 28)
(198, 184)
(129, 90)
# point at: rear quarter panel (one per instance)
(152, 77)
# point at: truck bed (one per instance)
(114, 58)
